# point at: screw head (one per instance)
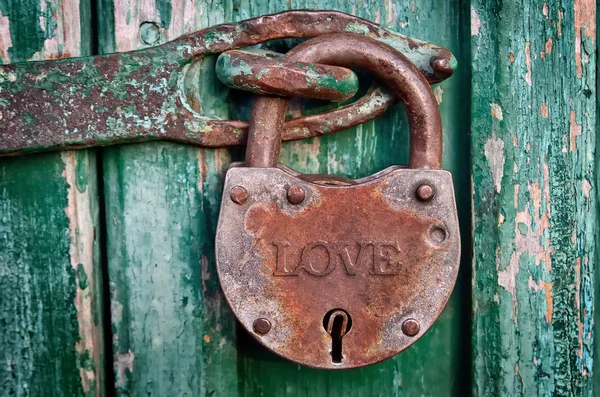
(437, 235)
(238, 195)
(149, 33)
(295, 194)
(261, 326)
(411, 327)
(425, 192)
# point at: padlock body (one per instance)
(370, 248)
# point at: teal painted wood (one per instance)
(534, 199)
(50, 277)
(173, 332)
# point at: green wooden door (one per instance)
(107, 271)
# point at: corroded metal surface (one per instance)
(266, 72)
(368, 248)
(150, 95)
(388, 64)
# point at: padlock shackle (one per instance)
(388, 64)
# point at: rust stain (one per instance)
(351, 50)
(127, 109)
(206, 338)
(384, 255)
(267, 223)
(264, 72)
(511, 57)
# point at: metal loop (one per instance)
(267, 72)
(388, 64)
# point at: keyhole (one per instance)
(337, 323)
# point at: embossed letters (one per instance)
(319, 258)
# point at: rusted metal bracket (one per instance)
(146, 95)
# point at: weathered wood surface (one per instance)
(50, 291)
(534, 196)
(533, 121)
(173, 331)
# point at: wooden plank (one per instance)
(50, 278)
(174, 333)
(534, 147)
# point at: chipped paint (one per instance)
(534, 241)
(49, 208)
(544, 112)
(496, 111)
(123, 367)
(584, 23)
(574, 130)
(528, 63)
(494, 153)
(83, 261)
(5, 40)
(475, 22)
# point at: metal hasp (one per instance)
(153, 94)
(335, 273)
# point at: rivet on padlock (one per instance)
(335, 273)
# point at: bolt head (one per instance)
(238, 195)
(261, 326)
(149, 33)
(295, 194)
(411, 327)
(425, 192)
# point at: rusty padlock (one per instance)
(335, 273)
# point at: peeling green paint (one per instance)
(37, 288)
(533, 145)
(43, 325)
(164, 10)
(26, 34)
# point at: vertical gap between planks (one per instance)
(109, 378)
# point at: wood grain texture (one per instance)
(50, 277)
(173, 332)
(534, 220)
